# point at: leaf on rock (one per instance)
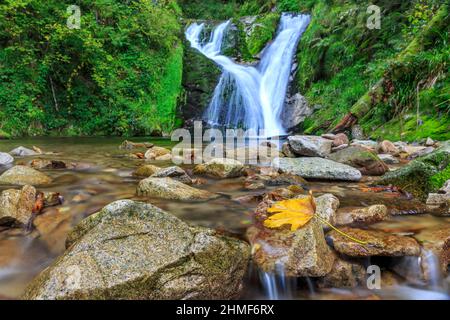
(296, 212)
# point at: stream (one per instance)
(105, 175)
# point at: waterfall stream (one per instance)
(251, 97)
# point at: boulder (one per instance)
(221, 168)
(146, 170)
(379, 243)
(156, 152)
(131, 250)
(388, 159)
(310, 146)
(302, 253)
(387, 147)
(340, 139)
(420, 175)
(175, 173)
(16, 206)
(22, 152)
(287, 150)
(22, 175)
(5, 159)
(168, 188)
(362, 159)
(368, 215)
(318, 168)
(295, 111)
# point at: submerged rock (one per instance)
(318, 168)
(379, 243)
(5, 158)
(221, 168)
(22, 175)
(168, 188)
(310, 146)
(132, 250)
(362, 159)
(48, 164)
(16, 206)
(23, 152)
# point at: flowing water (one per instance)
(106, 176)
(246, 96)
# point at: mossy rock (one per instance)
(423, 175)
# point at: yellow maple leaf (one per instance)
(296, 212)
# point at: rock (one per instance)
(437, 241)
(52, 199)
(310, 146)
(254, 185)
(287, 179)
(318, 168)
(146, 170)
(166, 157)
(362, 159)
(368, 215)
(22, 152)
(329, 136)
(295, 111)
(135, 251)
(445, 188)
(5, 159)
(438, 199)
(370, 144)
(268, 171)
(16, 206)
(345, 273)
(287, 150)
(22, 175)
(47, 164)
(379, 243)
(326, 207)
(175, 173)
(340, 139)
(357, 132)
(302, 253)
(417, 177)
(156, 152)
(167, 188)
(221, 168)
(387, 147)
(420, 153)
(430, 142)
(341, 147)
(388, 159)
(129, 145)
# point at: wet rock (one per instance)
(387, 147)
(221, 168)
(379, 243)
(22, 152)
(302, 253)
(345, 273)
(340, 139)
(175, 173)
(295, 111)
(287, 179)
(287, 150)
(52, 199)
(22, 175)
(132, 250)
(146, 170)
(5, 159)
(437, 241)
(129, 145)
(16, 206)
(362, 159)
(388, 159)
(156, 152)
(318, 168)
(310, 146)
(326, 207)
(368, 215)
(168, 188)
(47, 164)
(417, 177)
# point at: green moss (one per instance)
(262, 32)
(4, 135)
(438, 180)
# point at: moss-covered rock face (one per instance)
(423, 175)
(364, 160)
(132, 250)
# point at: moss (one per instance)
(4, 135)
(438, 180)
(263, 31)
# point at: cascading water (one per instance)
(251, 97)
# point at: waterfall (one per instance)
(251, 97)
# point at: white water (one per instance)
(247, 96)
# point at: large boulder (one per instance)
(132, 250)
(362, 159)
(318, 168)
(16, 206)
(221, 168)
(423, 175)
(295, 111)
(22, 175)
(23, 152)
(5, 159)
(168, 188)
(310, 146)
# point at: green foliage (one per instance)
(438, 180)
(104, 78)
